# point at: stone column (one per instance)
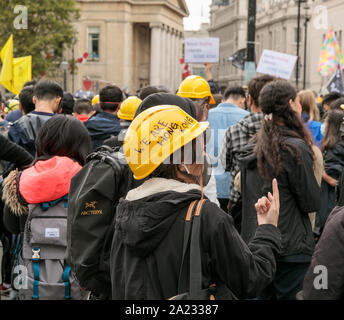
(173, 61)
(169, 59)
(163, 54)
(178, 56)
(155, 54)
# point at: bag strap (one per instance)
(187, 232)
(195, 254)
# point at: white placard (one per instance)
(276, 64)
(202, 50)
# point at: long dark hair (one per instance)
(63, 136)
(334, 129)
(274, 100)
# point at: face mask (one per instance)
(323, 129)
(206, 172)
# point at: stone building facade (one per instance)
(131, 43)
(276, 29)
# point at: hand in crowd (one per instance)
(268, 208)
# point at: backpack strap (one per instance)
(187, 232)
(46, 205)
(66, 282)
(35, 260)
(195, 254)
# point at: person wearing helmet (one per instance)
(198, 90)
(95, 100)
(126, 114)
(165, 146)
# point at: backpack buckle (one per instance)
(36, 255)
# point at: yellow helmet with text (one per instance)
(128, 108)
(195, 87)
(157, 133)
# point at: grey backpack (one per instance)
(46, 275)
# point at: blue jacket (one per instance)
(101, 127)
(220, 119)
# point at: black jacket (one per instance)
(299, 195)
(13, 153)
(148, 244)
(327, 262)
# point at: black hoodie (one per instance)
(148, 244)
(299, 195)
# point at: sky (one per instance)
(199, 12)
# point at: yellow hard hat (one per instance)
(128, 108)
(95, 100)
(195, 87)
(12, 105)
(155, 134)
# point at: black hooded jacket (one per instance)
(148, 244)
(299, 195)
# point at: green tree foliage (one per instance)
(49, 31)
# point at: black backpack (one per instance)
(94, 194)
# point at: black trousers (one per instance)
(6, 239)
(287, 282)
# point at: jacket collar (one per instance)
(157, 185)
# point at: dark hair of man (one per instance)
(234, 93)
(83, 106)
(25, 99)
(63, 136)
(67, 103)
(147, 91)
(337, 104)
(47, 90)
(110, 98)
(30, 83)
(330, 98)
(334, 129)
(256, 85)
(274, 99)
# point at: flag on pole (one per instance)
(21, 72)
(6, 55)
(336, 82)
(15, 71)
(330, 56)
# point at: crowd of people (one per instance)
(193, 194)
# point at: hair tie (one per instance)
(268, 117)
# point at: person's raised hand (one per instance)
(268, 208)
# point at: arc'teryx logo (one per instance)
(91, 205)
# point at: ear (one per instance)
(181, 168)
(34, 100)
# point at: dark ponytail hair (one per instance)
(274, 100)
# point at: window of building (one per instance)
(93, 43)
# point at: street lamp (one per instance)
(307, 20)
(64, 66)
(298, 40)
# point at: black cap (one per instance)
(159, 99)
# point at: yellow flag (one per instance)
(21, 72)
(6, 54)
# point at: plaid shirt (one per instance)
(237, 137)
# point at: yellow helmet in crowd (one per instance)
(155, 134)
(128, 108)
(12, 105)
(195, 87)
(95, 100)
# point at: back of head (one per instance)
(146, 91)
(309, 104)
(334, 128)
(280, 121)
(63, 136)
(256, 85)
(234, 93)
(47, 90)
(83, 106)
(338, 104)
(30, 83)
(25, 99)
(110, 97)
(67, 103)
(330, 98)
